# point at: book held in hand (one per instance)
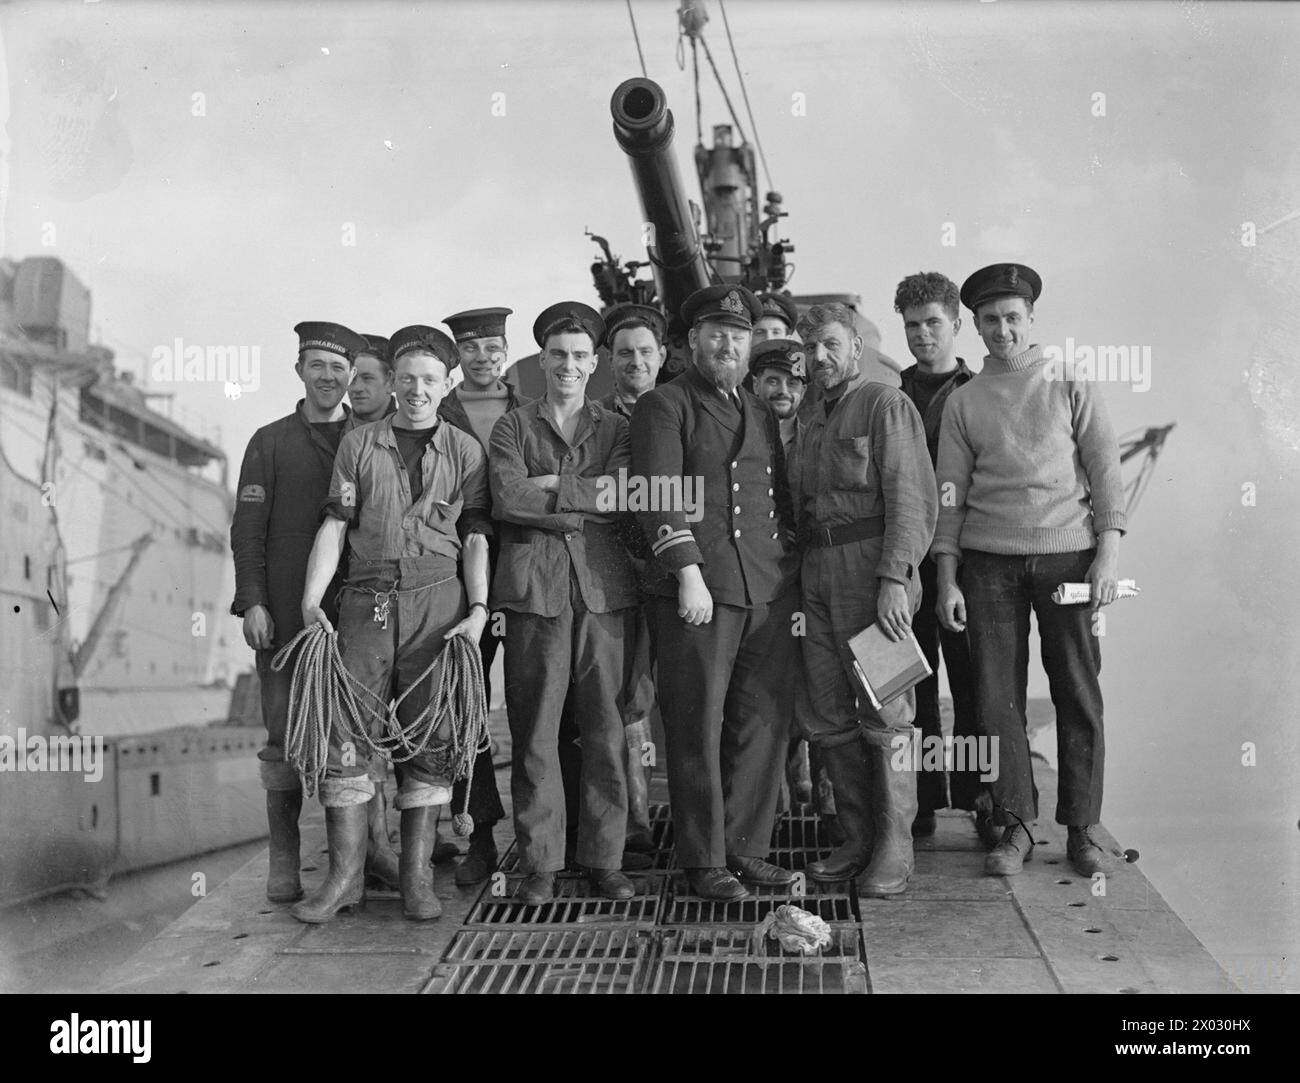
(884, 669)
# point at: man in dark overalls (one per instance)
(284, 477)
(409, 497)
(723, 580)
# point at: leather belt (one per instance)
(823, 537)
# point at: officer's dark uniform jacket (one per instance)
(934, 409)
(285, 476)
(683, 429)
(544, 535)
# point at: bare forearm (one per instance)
(324, 560)
(474, 568)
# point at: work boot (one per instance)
(481, 858)
(345, 886)
(893, 804)
(283, 884)
(419, 902)
(611, 883)
(639, 837)
(924, 825)
(754, 870)
(847, 767)
(1008, 857)
(381, 861)
(1086, 854)
(537, 888)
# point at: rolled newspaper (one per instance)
(1078, 593)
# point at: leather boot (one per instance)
(419, 902)
(283, 884)
(345, 886)
(847, 767)
(381, 862)
(893, 802)
(639, 838)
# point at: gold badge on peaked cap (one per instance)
(733, 304)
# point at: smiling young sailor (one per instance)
(565, 576)
(409, 496)
(285, 476)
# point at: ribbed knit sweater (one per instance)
(483, 408)
(1028, 464)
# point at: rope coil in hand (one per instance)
(324, 697)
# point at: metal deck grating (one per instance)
(830, 902)
(720, 959)
(574, 904)
(801, 831)
(590, 959)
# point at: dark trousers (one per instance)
(965, 784)
(543, 655)
(725, 697)
(484, 797)
(429, 603)
(1000, 591)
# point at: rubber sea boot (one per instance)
(345, 886)
(893, 803)
(419, 902)
(639, 837)
(846, 765)
(283, 884)
(381, 861)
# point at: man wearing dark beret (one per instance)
(284, 477)
(565, 578)
(865, 501)
(1020, 428)
(929, 305)
(371, 391)
(409, 498)
(779, 319)
(722, 576)
(474, 407)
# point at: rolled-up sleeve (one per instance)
(658, 457)
(476, 509)
(344, 499)
(907, 485)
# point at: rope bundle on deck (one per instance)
(324, 696)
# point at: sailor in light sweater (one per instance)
(1030, 496)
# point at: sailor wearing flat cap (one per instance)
(409, 499)
(371, 391)
(566, 580)
(722, 577)
(284, 477)
(474, 407)
(1018, 428)
(779, 319)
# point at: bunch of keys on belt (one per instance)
(382, 602)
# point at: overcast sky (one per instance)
(228, 228)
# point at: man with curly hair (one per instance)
(930, 306)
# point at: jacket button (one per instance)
(774, 537)
(736, 509)
(737, 533)
(735, 486)
(734, 465)
(771, 492)
(568, 537)
(769, 469)
(771, 515)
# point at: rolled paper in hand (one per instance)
(1079, 593)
